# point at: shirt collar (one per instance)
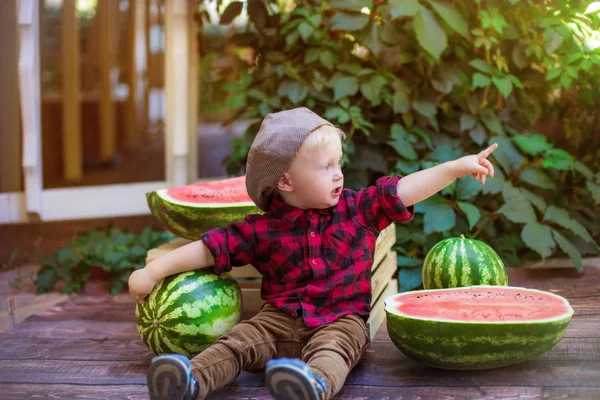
(290, 214)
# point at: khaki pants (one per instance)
(330, 350)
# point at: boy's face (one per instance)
(315, 176)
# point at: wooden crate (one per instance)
(383, 282)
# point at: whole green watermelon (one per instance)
(460, 262)
(185, 313)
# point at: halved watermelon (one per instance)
(476, 327)
(189, 211)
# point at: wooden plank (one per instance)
(132, 136)
(382, 275)
(10, 123)
(107, 124)
(377, 317)
(384, 242)
(192, 79)
(72, 152)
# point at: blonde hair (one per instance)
(321, 136)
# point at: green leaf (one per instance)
(478, 134)
(439, 216)
(372, 89)
(297, 92)
(467, 122)
(444, 153)
(430, 34)
(407, 167)
(537, 177)
(46, 280)
(483, 66)
(480, 80)
(403, 8)
(451, 16)
(558, 159)
(569, 248)
(583, 170)
(552, 40)
(400, 143)
(401, 103)
(534, 199)
(233, 10)
(491, 121)
(561, 217)
(518, 213)
(467, 188)
(566, 80)
(506, 154)
(472, 212)
(592, 7)
(423, 134)
(327, 59)
(425, 108)
(553, 74)
(349, 22)
(504, 85)
(409, 279)
(409, 262)
(347, 86)
(538, 237)
(306, 30)
(494, 185)
(594, 190)
(532, 145)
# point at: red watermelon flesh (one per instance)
(231, 190)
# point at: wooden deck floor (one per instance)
(88, 347)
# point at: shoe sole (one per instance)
(290, 383)
(168, 379)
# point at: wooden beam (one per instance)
(71, 107)
(193, 62)
(10, 124)
(105, 14)
(131, 122)
(29, 83)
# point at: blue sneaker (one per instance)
(291, 378)
(170, 378)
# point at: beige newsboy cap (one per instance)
(276, 144)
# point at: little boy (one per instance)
(314, 246)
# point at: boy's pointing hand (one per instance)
(476, 164)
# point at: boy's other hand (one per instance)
(476, 164)
(141, 284)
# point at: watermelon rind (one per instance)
(473, 345)
(461, 262)
(187, 312)
(192, 220)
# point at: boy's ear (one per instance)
(285, 184)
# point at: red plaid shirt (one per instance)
(315, 263)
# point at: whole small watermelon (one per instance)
(460, 262)
(185, 313)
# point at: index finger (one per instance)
(484, 153)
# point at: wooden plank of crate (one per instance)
(386, 241)
(377, 317)
(383, 275)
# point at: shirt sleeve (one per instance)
(379, 205)
(232, 246)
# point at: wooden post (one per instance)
(10, 124)
(71, 107)
(131, 121)
(29, 81)
(105, 15)
(177, 89)
(193, 62)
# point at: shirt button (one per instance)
(307, 299)
(313, 234)
(314, 261)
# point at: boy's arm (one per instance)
(192, 256)
(420, 185)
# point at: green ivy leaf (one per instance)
(297, 92)
(403, 8)
(558, 159)
(504, 85)
(347, 86)
(532, 145)
(439, 216)
(467, 122)
(306, 30)
(491, 121)
(483, 66)
(480, 80)
(518, 213)
(552, 40)
(506, 154)
(569, 248)
(425, 108)
(472, 212)
(534, 199)
(351, 5)
(409, 279)
(553, 74)
(594, 190)
(538, 237)
(233, 10)
(400, 143)
(444, 153)
(327, 59)
(342, 21)
(451, 16)
(561, 217)
(583, 170)
(407, 167)
(537, 177)
(46, 280)
(478, 134)
(493, 186)
(467, 188)
(372, 89)
(401, 103)
(409, 262)
(430, 34)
